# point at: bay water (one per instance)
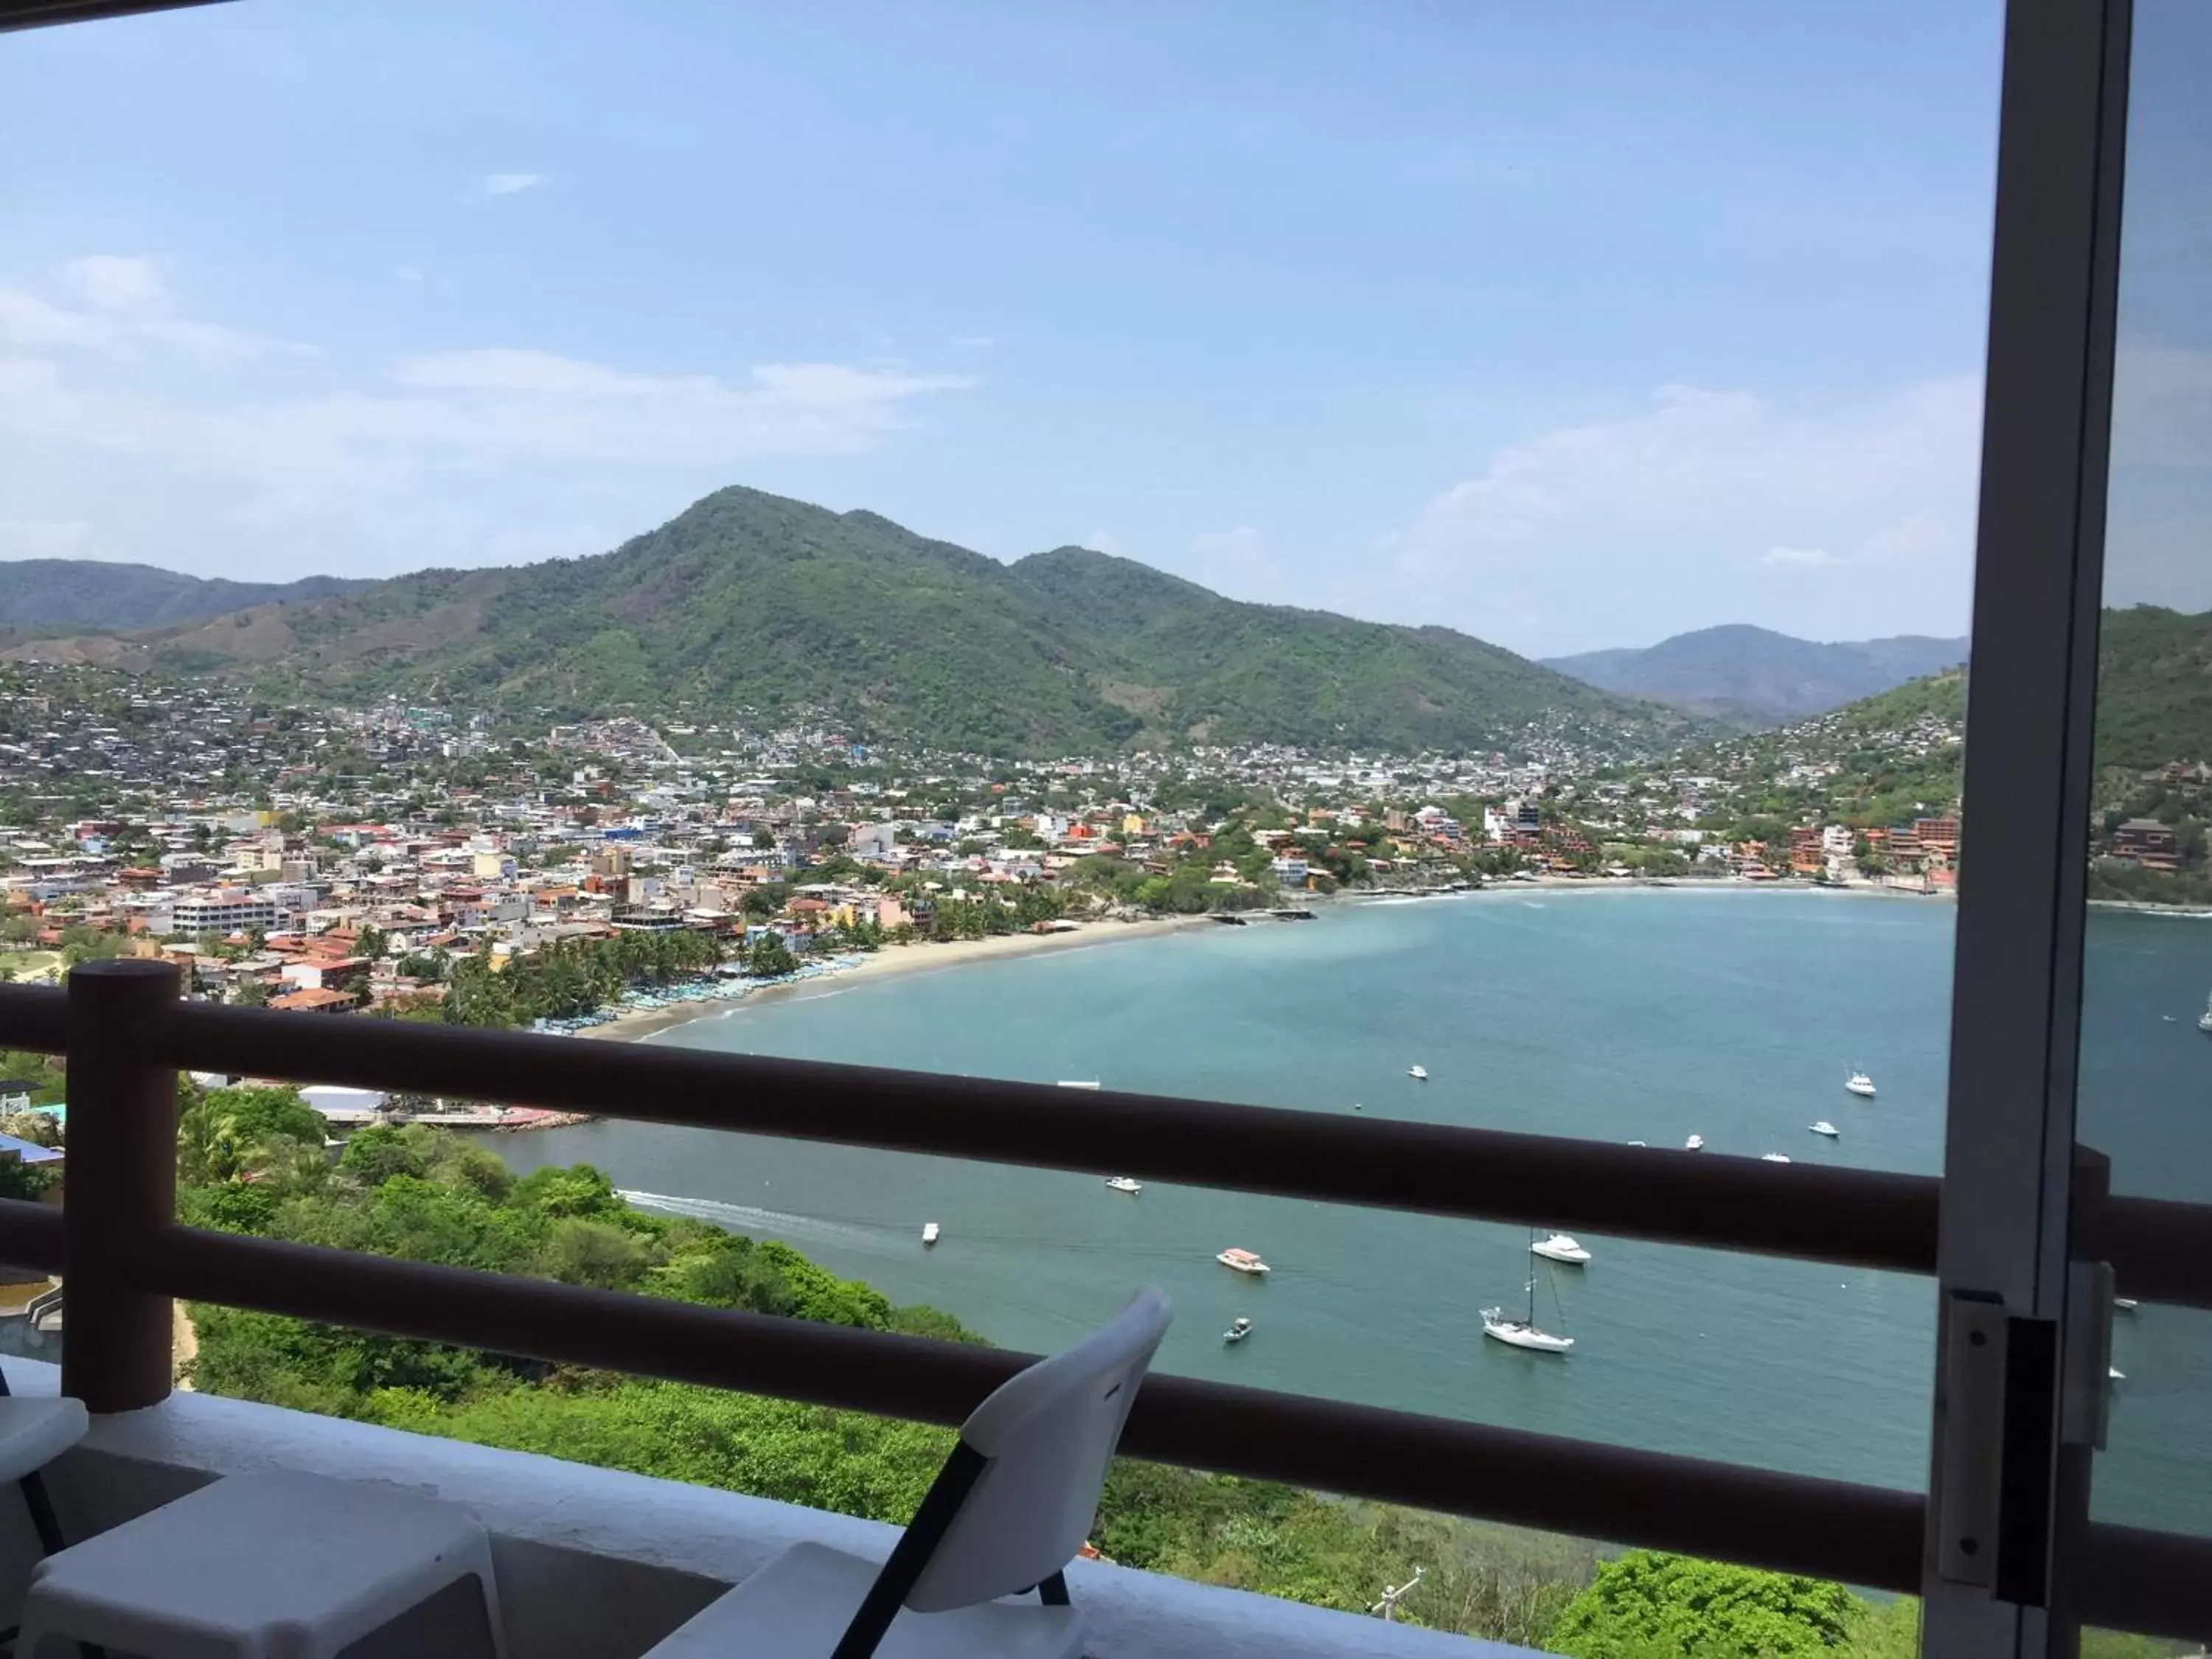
(1620, 1014)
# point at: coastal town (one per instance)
(409, 860)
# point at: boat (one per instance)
(1523, 1333)
(1420, 1073)
(1560, 1247)
(1639, 1143)
(929, 1233)
(1694, 1144)
(1863, 1086)
(1128, 1184)
(1824, 1128)
(1243, 1261)
(1079, 1083)
(2126, 1304)
(1774, 1157)
(2116, 1373)
(1239, 1328)
(2204, 1019)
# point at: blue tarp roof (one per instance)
(30, 1150)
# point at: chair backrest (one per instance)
(1046, 1436)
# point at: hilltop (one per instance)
(751, 604)
(86, 593)
(1756, 677)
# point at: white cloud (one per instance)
(114, 282)
(122, 309)
(1105, 541)
(506, 184)
(1238, 562)
(1622, 532)
(35, 538)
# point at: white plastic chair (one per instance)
(1008, 1511)
(32, 1433)
(260, 1567)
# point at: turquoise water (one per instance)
(1621, 1015)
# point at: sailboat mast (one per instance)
(1532, 1284)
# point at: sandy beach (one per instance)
(911, 959)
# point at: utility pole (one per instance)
(1392, 1595)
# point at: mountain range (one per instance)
(750, 604)
(1754, 677)
(48, 593)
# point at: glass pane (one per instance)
(1509, 678)
(2146, 1033)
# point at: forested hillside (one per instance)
(750, 606)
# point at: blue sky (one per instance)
(1570, 327)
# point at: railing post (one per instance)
(117, 1339)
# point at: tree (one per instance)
(1649, 1605)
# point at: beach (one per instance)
(910, 959)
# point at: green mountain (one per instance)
(86, 593)
(750, 604)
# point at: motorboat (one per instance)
(1239, 1328)
(1774, 1157)
(1128, 1184)
(2116, 1373)
(2126, 1304)
(929, 1233)
(1694, 1144)
(1560, 1247)
(1639, 1143)
(1419, 1073)
(1863, 1086)
(1243, 1261)
(2204, 1019)
(1079, 1083)
(1824, 1128)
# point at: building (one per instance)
(2150, 843)
(225, 910)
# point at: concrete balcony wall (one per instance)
(594, 1563)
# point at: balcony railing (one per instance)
(126, 1034)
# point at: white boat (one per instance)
(1128, 1184)
(1421, 1072)
(1694, 1144)
(1860, 1084)
(2126, 1304)
(1639, 1143)
(1079, 1083)
(2116, 1373)
(1560, 1247)
(1824, 1128)
(1243, 1261)
(929, 1232)
(1774, 1157)
(1239, 1328)
(1523, 1333)
(2204, 1019)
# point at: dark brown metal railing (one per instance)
(126, 1034)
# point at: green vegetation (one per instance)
(250, 1160)
(571, 978)
(751, 604)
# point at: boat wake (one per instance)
(775, 1223)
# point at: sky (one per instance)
(1567, 327)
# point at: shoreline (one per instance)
(898, 959)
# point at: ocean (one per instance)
(1618, 1014)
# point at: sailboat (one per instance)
(1522, 1333)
